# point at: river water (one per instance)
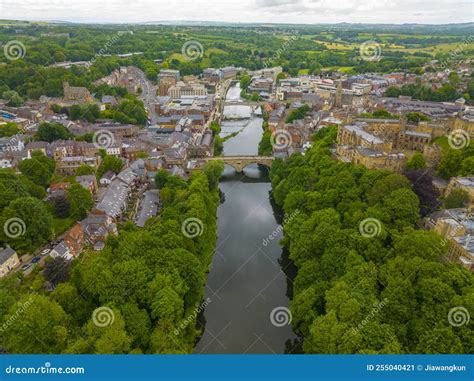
(248, 278)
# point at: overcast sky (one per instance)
(267, 11)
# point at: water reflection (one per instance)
(246, 281)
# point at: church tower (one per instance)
(339, 94)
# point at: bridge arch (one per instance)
(240, 162)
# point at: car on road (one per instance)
(45, 252)
(35, 259)
(26, 267)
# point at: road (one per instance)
(148, 95)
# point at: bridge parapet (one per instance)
(240, 162)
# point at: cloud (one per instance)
(275, 11)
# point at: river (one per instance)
(248, 277)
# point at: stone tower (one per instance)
(338, 103)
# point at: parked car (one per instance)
(35, 259)
(25, 267)
(45, 252)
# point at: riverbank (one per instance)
(367, 281)
(247, 284)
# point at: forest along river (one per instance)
(246, 282)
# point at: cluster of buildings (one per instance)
(116, 195)
(456, 226)
(180, 137)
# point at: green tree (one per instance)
(218, 145)
(161, 178)
(13, 98)
(39, 169)
(458, 198)
(245, 82)
(110, 163)
(450, 164)
(213, 171)
(57, 270)
(49, 132)
(27, 223)
(61, 207)
(84, 170)
(9, 129)
(80, 200)
(417, 161)
(42, 328)
(74, 112)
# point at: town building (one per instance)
(457, 227)
(76, 94)
(8, 260)
(464, 183)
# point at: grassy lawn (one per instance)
(61, 225)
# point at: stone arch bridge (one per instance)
(240, 162)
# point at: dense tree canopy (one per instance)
(145, 283)
(49, 132)
(367, 281)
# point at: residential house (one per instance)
(61, 250)
(8, 260)
(69, 165)
(107, 178)
(148, 208)
(464, 183)
(75, 239)
(89, 182)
